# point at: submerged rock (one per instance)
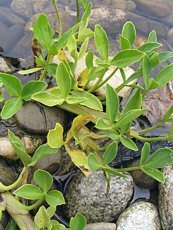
(23, 7)
(100, 226)
(166, 199)
(141, 215)
(39, 119)
(89, 196)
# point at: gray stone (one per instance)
(141, 215)
(50, 163)
(23, 7)
(140, 178)
(4, 66)
(119, 4)
(130, 5)
(166, 199)
(89, 196)
(170, 37)
(7, 16)
(145, 25)
(7, 175)
(39, 119)
(100, 226)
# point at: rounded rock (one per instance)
(100, 226)
(141, 215)
(166, 199)
(39, 119)
(7, 175)
(22, 7)
(89, 196)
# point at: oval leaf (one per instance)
(29, 192)
(55, 136)
(110, 153)
(11, 107)
(54, 198)
(43, 179)
(128, 143)
(154, 173)
(48, 99)
(129, 32)
(165, 75)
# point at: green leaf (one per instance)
(42, 219)
(32, 87)
(29, 191)
(92, 101)
(110, 153)
(124, 43)
(29, 71)
(22, 154)
(154, 173)
(160, 158)
(126, 58)
(165, 75)
(12, 84)
(102, 125)
(72, 46)
(78, 222)
(55, 136)
(43, 179)
(145, 153)
(113, 171)
(129, 117)
(83, 48)
(42, 152)
(84, 3)
(48, 99)
(11, 107)
(168, 114)
(54, 198)
(164, 56)
(134, 102)
(112, 103)
(128, 143)
(93, 162)
(43, 32)
(63, 79)
(150, 46)
(152, 37)
(129, 32)
(146, 70)
(101, 42)
(13, 138)
(154, 60)
(89, 60)
(71, 99)
(51, 211)
(152, 84)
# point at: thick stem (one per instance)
(42, 77)
(150, 129)
(35, 205)
(77, 11)
(15, 184)
(148, 139)
(128, 169)
(58, 17)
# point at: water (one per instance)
(16, 17)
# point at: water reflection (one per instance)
(17, 16)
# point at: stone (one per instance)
(23, 7)
(50, 163)
(30, 143)
(145, 25)
(7, 175)
(11, 36)
(110, 19)
(89, 196)
(119, 4)
(7, 16)
(170, 37)
(140, 178)
(154, 8)
(130, 5)
(100, 226)
(39, 119)
(5, 66)
(141, 215)
(166, 199)
(20, 48)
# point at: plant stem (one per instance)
(109, 77)
(42, 77)
(129, 169)
(150, 129)
(33, 206)
(12, 186)
(77, 11)
(149, 139)
(58, 17)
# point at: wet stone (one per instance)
(38, 119)
(5, 66)
(7, 175)
(100, 226)
(22, 7)
(166, 199)
(7, 16)
(141, 215)
(89, 196)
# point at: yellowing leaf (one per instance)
(79, 158)
(55, 136)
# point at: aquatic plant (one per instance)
(78, 95)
